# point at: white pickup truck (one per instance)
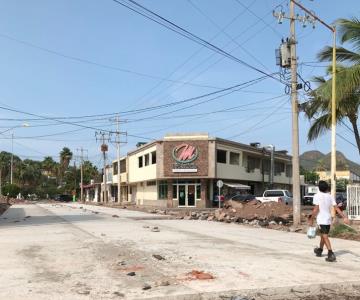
(283, 196)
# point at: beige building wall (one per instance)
(137, 174)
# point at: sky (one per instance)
(66, 59)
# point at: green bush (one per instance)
(340, 229)
(11, 190)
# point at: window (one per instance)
(175, 191)
(288, 171)
(147, 159)
(198, 191)
(140, 158)
(274, 194)
(234, 158)
(252, 164)
(163, 190)
(123, 166)
(221, 156)
(115, 168)
(151, 183)
(279, 168)
(153, 157)
(266, 166)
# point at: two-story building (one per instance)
(181, 170)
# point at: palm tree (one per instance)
(318, 109)
(65, 157)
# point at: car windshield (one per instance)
(287, 193)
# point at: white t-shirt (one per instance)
(325, 202)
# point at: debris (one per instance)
(27, 217)
(115, 216)
(158, 257)
(103, 234)
(199, 275)
(131, 274)
(121, 263)
(155, 229)
(119, 294)
(164, 283)
(146, 226)
(146, 287)
(83, 292)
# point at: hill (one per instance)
(316, 160)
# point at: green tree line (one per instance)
(45, 178)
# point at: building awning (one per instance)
(238, 186)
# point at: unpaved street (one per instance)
(72, 251)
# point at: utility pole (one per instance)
(12, 158)
(104, 137)
(295, 121)
(81, 157)
(118, 142)
(311, 18)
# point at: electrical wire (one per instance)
(147, 13)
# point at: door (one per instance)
(191, 195)
(182, 195)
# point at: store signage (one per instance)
(184, 156)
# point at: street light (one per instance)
(12, 147)
(271, 176)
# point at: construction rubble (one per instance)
(256, 213)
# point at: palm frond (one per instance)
(319, 126)
(342, 54)
(349, 30)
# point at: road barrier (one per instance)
(353, 202)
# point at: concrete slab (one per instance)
(70, 252)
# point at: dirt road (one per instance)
(52, 251)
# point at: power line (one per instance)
(93, 63)
(147, 13)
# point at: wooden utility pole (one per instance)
(104, 137)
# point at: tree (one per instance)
(65, 158)
(318, 109)
(309, 176)
(11, 190)
(49, 165)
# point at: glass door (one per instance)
(191, 195)
(182, 195)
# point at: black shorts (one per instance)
(324, 229)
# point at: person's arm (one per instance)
(314, 213)
(341, 213)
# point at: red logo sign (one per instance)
(185, 153)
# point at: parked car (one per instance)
(283, 196)
(308, 199)
(243, 197)
(216, 200)
(63, 198)
(341, 200)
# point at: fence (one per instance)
(353, 201)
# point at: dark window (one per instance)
(234, 158)
(153, 157)
(288, 171)
(221, 156)
(198, 191)
(274, 194)
(163, 190)
(115, 168)
(123, 166)
(151, 183)
(279, 168)
(146, 159)
(252, 163)
(140, 158)
(266, 164)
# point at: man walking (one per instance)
(324, 205)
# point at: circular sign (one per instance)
(219, 184)
(185, 153)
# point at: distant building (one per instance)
(345, 174)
